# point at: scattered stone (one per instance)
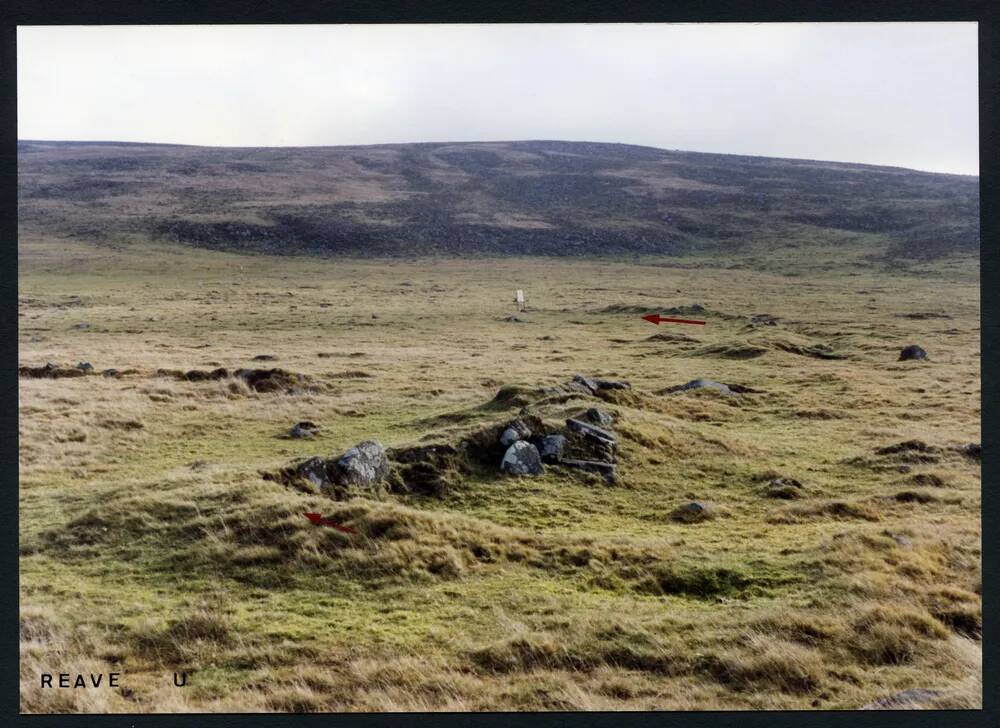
(551, 448)
(699, 384)
(692, 512)
(85, 366)
(912, 699)
(81, 326)
(514, 431)
(911, 353)
(514, 320)
(763, 319)
(599, 417)
(522, 458)
(49, 371)
(304, 430)
(612, 384)
(364, 465)
(111, 373)
(265, 357)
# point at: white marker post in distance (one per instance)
(520, 299)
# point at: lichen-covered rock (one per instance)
(522, 458)
(314, 470)
(551, 448)
(364, 465)
(514, 431)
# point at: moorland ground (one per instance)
(150, 543)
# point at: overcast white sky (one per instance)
(901, 94)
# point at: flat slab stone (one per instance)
(589, 430)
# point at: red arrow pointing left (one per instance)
(655, 318)
(317, 520)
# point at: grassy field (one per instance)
(150, 542)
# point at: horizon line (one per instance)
(486, 141)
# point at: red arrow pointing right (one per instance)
(655, 318)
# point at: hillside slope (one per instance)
(495, 198)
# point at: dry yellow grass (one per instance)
(151, 544)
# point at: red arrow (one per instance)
(317, 520)
(655, 318)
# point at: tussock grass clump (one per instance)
(837, 509)
(888, 634)
(731, 350)
(915, 496)
(181, 638)
(703, 583)
(768, 664)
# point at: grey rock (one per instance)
(899, 538)
(600, 417)
(586, 383)
(304, 430)
(314, 470)
(364, 465)
(111, 373)
(551, 448)
(692, 512)
(911, 699)
(763, 319)
(85, 366)
(589, 430)
(522, 458)
(911, 353)
(514, 431)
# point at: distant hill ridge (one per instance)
(483, 198)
